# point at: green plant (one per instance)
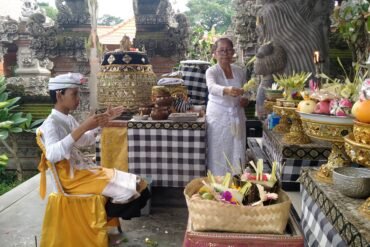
(201, 42)
(294, 82)
(352, 21)
(12, 124)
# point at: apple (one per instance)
(322, 107)
(306, 106)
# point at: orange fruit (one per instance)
(361, 111)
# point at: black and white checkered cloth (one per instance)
(170, 157)
(317, 230)
(195, 80)
(288, 169)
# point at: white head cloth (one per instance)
(70, 80)
(170, 81)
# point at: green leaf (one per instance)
(29, 120)
(36, 123)
(4, 114)
(3, 97)
(12, 107)
(4, 134)
(6, 124)
(15, 116)
(20, 120)
(2, 89)
(16, 130)
(9, 102)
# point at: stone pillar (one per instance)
(161, 33)
(31, 75)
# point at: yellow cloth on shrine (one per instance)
(74, 221)
(114, 148)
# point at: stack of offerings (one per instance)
(162, 101)
(175, 85)
(125, 78)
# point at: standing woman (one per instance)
(226, 134)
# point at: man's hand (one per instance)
(114, 112)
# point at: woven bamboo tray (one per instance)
(207, 215)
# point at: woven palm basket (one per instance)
(208, 215)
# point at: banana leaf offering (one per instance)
(247, 188)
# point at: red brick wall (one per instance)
(162, 65)
(64, 65)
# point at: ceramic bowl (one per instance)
(361, 132)
(140, 117)
(352, 181)
(326, 119)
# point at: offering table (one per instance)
(330, 218)
(170, 153)
(292, 158)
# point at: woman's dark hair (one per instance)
(224, 39)
(53, 94)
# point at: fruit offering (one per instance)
(248, 188)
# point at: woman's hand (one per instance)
(233, 91)
(244, 102)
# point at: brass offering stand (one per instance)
(283, 126)
(331, 129)
(360, 154)
(295, 134)
(267, 104)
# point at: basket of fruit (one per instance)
(249, 203)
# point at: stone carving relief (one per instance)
(73, 12)
(30, 7)
(30, 85)
(298, 27)
(3, 51)
(172, 30)
(245, 26)
(178, 36)
(8, 30)
(50, 42)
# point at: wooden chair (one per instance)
(70, 220)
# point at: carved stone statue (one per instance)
(296, 26)
(293, 30)
(125, 43)
(30, 7)
(72, 12)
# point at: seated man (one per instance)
(62, 137)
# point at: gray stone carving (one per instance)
(49, 42)
(299, 27)
(8, 30)
(29, 7)
(244, 23)
(73, 12)
(171, 30)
